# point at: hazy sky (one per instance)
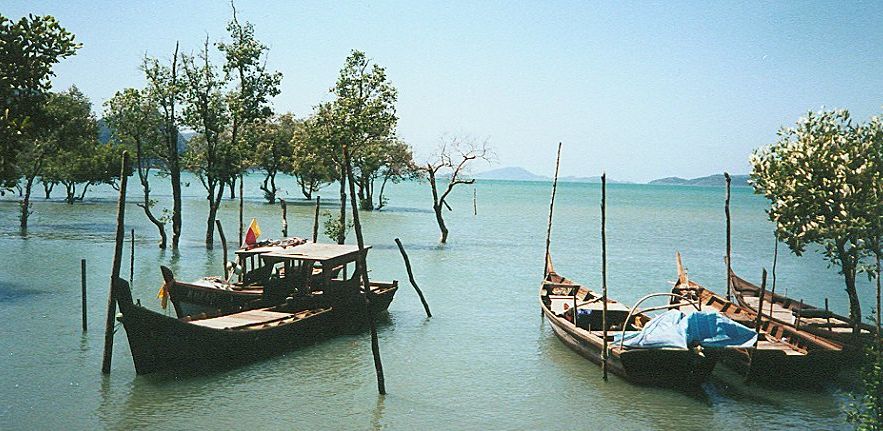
(640, 90)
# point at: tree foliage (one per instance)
(272, 145)
(822, 178)
(29, 49)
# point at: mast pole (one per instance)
(551, 209)
(729, 244)
(604, 271)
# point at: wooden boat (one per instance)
(787, 311)
(783, 354)
(277, 273)
(160, 342)
(660, 366)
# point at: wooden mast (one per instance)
(604, 272)
(729, 245)
(316, 219)
(115, 271)
(551, 209)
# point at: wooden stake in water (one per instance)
(115, 270)
(83, 285)
(366, 285)
(551, 211)
(316, 219)
(604, 271)
(729, 244)
(411, 278)
(132, 260)
(757, 325)
(284, 218)
(474, 202)
(223, 246)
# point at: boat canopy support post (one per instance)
(241, 211)
(115, 271)
(729, 243)
(604, 352)
(411, 278)
(775, 261)
(132, 260)
(284, 218)
(316, 219)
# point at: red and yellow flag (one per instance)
(163, 295)
(252, 234)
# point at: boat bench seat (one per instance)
(243, 319)
(768, 345)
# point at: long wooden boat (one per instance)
(815, 320)
(658, 366)
(278, 273)
(783, 354)
(225, 338)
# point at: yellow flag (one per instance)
(163, 295)
(254, 231)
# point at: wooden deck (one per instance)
(244, 319)
(779, 313)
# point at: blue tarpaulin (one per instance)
(674, 329)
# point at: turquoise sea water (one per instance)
(484, 361)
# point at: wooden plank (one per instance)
(245, 318)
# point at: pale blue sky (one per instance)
(641, 90)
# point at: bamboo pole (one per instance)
(83, 285)
(775, 261)
(316, 219)
(363, 264)
(551, 211)
(827, 313)
(223, 246)
(729, 243)
(241, 210)
(757, 325)
(474, 202)
(132, 260)
(604, 271)
(411, 278)
(115, 270)
(284, 218)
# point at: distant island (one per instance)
(716, 180)
(515, 173)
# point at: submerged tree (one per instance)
(164, 87)
(452, 161)
(272, 144)
(817, 177)
(219, 107)
(312, 160)
(137, 123)
(29, 48)
(398, 165)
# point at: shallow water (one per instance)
(484, 361)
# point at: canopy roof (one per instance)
(317, 252)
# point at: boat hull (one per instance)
(656, 367)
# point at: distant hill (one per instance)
(711, 181)
(510, 173)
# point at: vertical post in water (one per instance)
(241, 209)
(363, 264)
(284, 218)
(83, 285)
(115, 271)
(604, 270)
(729, 245)
(223, 246)
(757, 325)
(827, 314)
(551, 211)
(316, 219)
(775, 261)
(132, 260)
(474, 202)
